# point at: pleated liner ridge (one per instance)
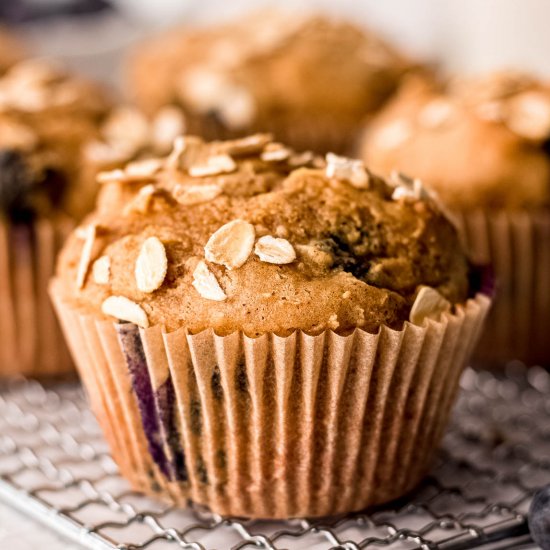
(517, 245)
(32, 343)
(273, 427)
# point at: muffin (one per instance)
(127, 134)
(236, 308)
(482, 144)
(45, 117)
(11, 50)
(309, 80)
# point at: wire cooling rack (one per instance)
(55, 466)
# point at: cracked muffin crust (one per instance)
(479, 142)
(249, 235)
(307, 79)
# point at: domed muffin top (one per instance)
(45, 117)
(479, 141)
(260, 68)
(249, 235)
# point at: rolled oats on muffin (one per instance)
(308, 79)
(482, 144)
(269, 335)
(45, 117)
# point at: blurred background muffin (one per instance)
(12, 49)
(127, 134)
(46, 115)
(310, 80)
(483, 144)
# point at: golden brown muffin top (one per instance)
(265, 65)
(45, 117)
(478, 142)
(249, 235)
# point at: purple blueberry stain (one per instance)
(539, 518)
(202, 473)
(16, 184)
(166, 404)
(195, 417)
(482, 279)
(157, 409)
(241, 380)
(221, 459)
(216, 384)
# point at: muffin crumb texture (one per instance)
(229, 236)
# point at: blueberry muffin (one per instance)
(309, 80)
(45, 118)
(482, 144)
(236, 307)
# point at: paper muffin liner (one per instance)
(272, 427)
(32, 343)
(517, 246)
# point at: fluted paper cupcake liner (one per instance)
(273, 427)
(32, 343)
(517, 245)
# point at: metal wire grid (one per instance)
(55, 466)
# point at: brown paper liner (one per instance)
(517, 245)
(32, 344)
(273, 427)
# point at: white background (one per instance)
(468, 35)
(458, 35)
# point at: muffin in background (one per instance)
(45, 117)
(127, 134)
(307, 79)
(12, 50)
(482, 144)
(264, 332)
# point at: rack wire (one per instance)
(55, 467)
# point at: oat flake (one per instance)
(86, 255)
(274, 250)
(124, 309)
(101, 270)
(231, 244)
(429, 304)
(151, 265)
(206, 284)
